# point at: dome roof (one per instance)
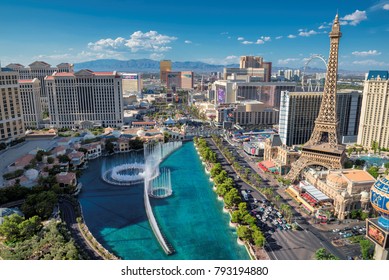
(379, 195)
(140, 133)
(336, 180)
(365, 196)
(32, 174)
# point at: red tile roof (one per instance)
(26, 81)
(66, 178)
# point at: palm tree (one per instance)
(277, 198)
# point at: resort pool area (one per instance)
(192, 219)
(373, 160)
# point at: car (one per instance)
(335, 230)
(255, 200)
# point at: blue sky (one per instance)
(284, 32)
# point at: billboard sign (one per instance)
(130, 76)
(221, 95)
(376, 234)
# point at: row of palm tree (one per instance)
(247, 230)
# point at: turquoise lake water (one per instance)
(192, 219)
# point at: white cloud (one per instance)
(287, 61)
(80, 56)
(187, 42)
(370, 62)
(107, 44)
(279, 37)
(266, 38)
(260, 42)
(247, 42)
(223, 61)
(354, 18)
(307, 33)
(150, 41)
(323, 26)
(291, 36)
(156, 56)
(386, 7)
(240, 38)
(366, 53)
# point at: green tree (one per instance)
(109, 147)
(232, 198)
(322, 254)
(41, 204)
(350, 150)
(249, 220)
(366, 249)
(51, 243)
(244, 233)
(63, 158)
(15, 228)
(374, 146)
(373, 171)
(216, 169)
(258, 237)
(221, 177)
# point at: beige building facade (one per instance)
(39, 70)
(132, 83)
(30, 100)
(348, 188)
(11, 115)
(85, 99)
(374, 122)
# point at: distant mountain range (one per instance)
(152, 66)
(147, 65)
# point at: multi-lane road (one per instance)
(282, 245)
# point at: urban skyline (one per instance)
(216, 33)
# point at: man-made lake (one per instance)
(192, 218)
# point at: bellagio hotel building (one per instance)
(85, 98)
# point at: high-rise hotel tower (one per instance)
(11, 116)
(374, 122)
(85, 99)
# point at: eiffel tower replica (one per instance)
(323, 148)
